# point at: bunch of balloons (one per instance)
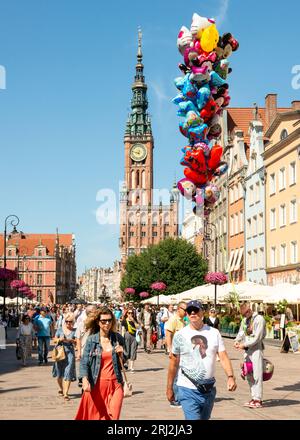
(203, 94)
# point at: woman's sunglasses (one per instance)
(105, 321)
(68, 322)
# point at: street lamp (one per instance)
(13, 220)
(154, 262)
(207, 237)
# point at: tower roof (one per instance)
(139, 123)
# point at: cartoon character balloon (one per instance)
(203, 94)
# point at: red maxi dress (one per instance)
(104, 402)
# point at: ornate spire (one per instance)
(139, 123)
(139, 54)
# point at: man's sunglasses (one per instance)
(105, 321)
(192, 309)
(182, 309)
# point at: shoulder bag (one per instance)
(127, 387)
(58, 353)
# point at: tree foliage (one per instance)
(173, 261)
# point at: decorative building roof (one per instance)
(138, 122)
(239, 118)
(28, 242)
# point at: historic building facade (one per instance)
(255, 240)
(192, 230)
(282, 159)
(100, 284)
(46, 262)
(142, 223)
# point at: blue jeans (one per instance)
(195, 405)
(43, 347)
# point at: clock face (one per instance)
(138, 152)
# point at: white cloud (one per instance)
(222, 13)
(159, 92)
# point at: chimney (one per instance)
(295, 105)
(271, 108)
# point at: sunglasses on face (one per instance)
(182, 309)
(105, 321)
(68, 322)
(192, 309)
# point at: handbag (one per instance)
(268, 369)
(127, 387)
(58, 353)
(18, 352)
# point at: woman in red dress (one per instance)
(100, 369)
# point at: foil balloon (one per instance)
(202, 96)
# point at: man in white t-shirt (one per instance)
(194, 352)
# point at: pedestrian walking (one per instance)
(65, 370)
(194, 351)
(250, 339)
(43, 325)
(130, 350)
(100, 369)
(212, 320)
(82, 334)
(147, 320)
(24, 337)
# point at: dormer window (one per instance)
(40, 253)
(284, 134)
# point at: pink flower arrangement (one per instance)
(7, 274)
(129, 291)
(216, 278)
(17, 284)
(144, 295)
(159, 286)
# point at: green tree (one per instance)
(173, 261)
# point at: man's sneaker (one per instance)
(247, 404)
(256, 404)
(175, 404)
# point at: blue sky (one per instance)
(69, 69)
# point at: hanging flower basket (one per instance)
(218, 278)
(7, 274)
(17, 284)
(129, 291)
(159, 286)
(144, 295)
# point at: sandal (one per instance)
(66, 398)
(61, 393)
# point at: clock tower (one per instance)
(138, 140)
(141, 223)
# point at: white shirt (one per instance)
(200, 365)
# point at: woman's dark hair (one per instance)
(25, 317)
(92, 321)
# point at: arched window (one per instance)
(137, 179)
(284, 134)
(144, 219)
(154, 219)
(143, 179)
(132, 179)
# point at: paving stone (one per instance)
(30, 393)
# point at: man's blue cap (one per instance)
(194, 303)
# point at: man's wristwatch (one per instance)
(230, 376)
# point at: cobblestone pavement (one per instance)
(31, 392)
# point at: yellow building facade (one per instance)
(282, 167)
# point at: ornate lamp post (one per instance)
(208, 229)
(13, 220)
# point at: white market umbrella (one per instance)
(290, 292)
